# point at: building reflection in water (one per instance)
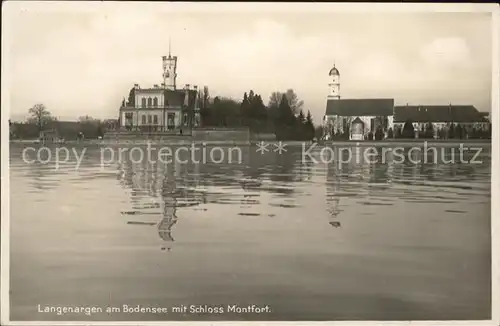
(163, 188)
(332, 195)
(169, 202)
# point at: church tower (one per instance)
(334, 84)
(169, 70)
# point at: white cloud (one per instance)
(90, 61)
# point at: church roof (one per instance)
(438, 113)
(360, 107)
(358, 120)
(334, 72)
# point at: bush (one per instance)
(408, 131)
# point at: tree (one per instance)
(204, 102)
(293, 101)
(40, 116)
(301, 118)
(258, 114)
(397, 132)
(285, 113)
(87, 119)
(225, 112)
(390, 134)
(275, 99)
(100, 131)
(451, 131)
(245, 109)
(131, 97)
(285, 121)
(429, 130)
(459, 131)
(319, 132)
(379, 133)
(309, 126)
(408, 130)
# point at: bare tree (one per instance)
(88, 119)
(40, 116)
(275, 99)
(293, 100)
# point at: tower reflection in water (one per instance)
(333, 195)
(169, 200)
(162, 187)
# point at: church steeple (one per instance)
(334, 83)
(169, 47)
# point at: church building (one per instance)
(357, 117)
(360, 117)
(161, 108)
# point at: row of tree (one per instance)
(40, 119)
(451, 131)
(428, 131)
(284, 115)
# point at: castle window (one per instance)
(155, 101)
(150, 102)
(143, 119)
(143, 102)
(155, 119)
(150, 119)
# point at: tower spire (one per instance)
(169, 46)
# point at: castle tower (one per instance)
(334, 84)
(169, 70)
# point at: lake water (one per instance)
(310, 240)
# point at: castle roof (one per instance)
(360, 107)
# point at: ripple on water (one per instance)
(411, 233)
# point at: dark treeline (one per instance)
(450, 131)
(283, 115)
(40, 119)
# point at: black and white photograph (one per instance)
(249, 162)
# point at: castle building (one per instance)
(360, 117)
(161, 108)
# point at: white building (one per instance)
(356, 117)
(161, 108)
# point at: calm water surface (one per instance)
(313, 241)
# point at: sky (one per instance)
(84, 62)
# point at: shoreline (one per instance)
(351, 143)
